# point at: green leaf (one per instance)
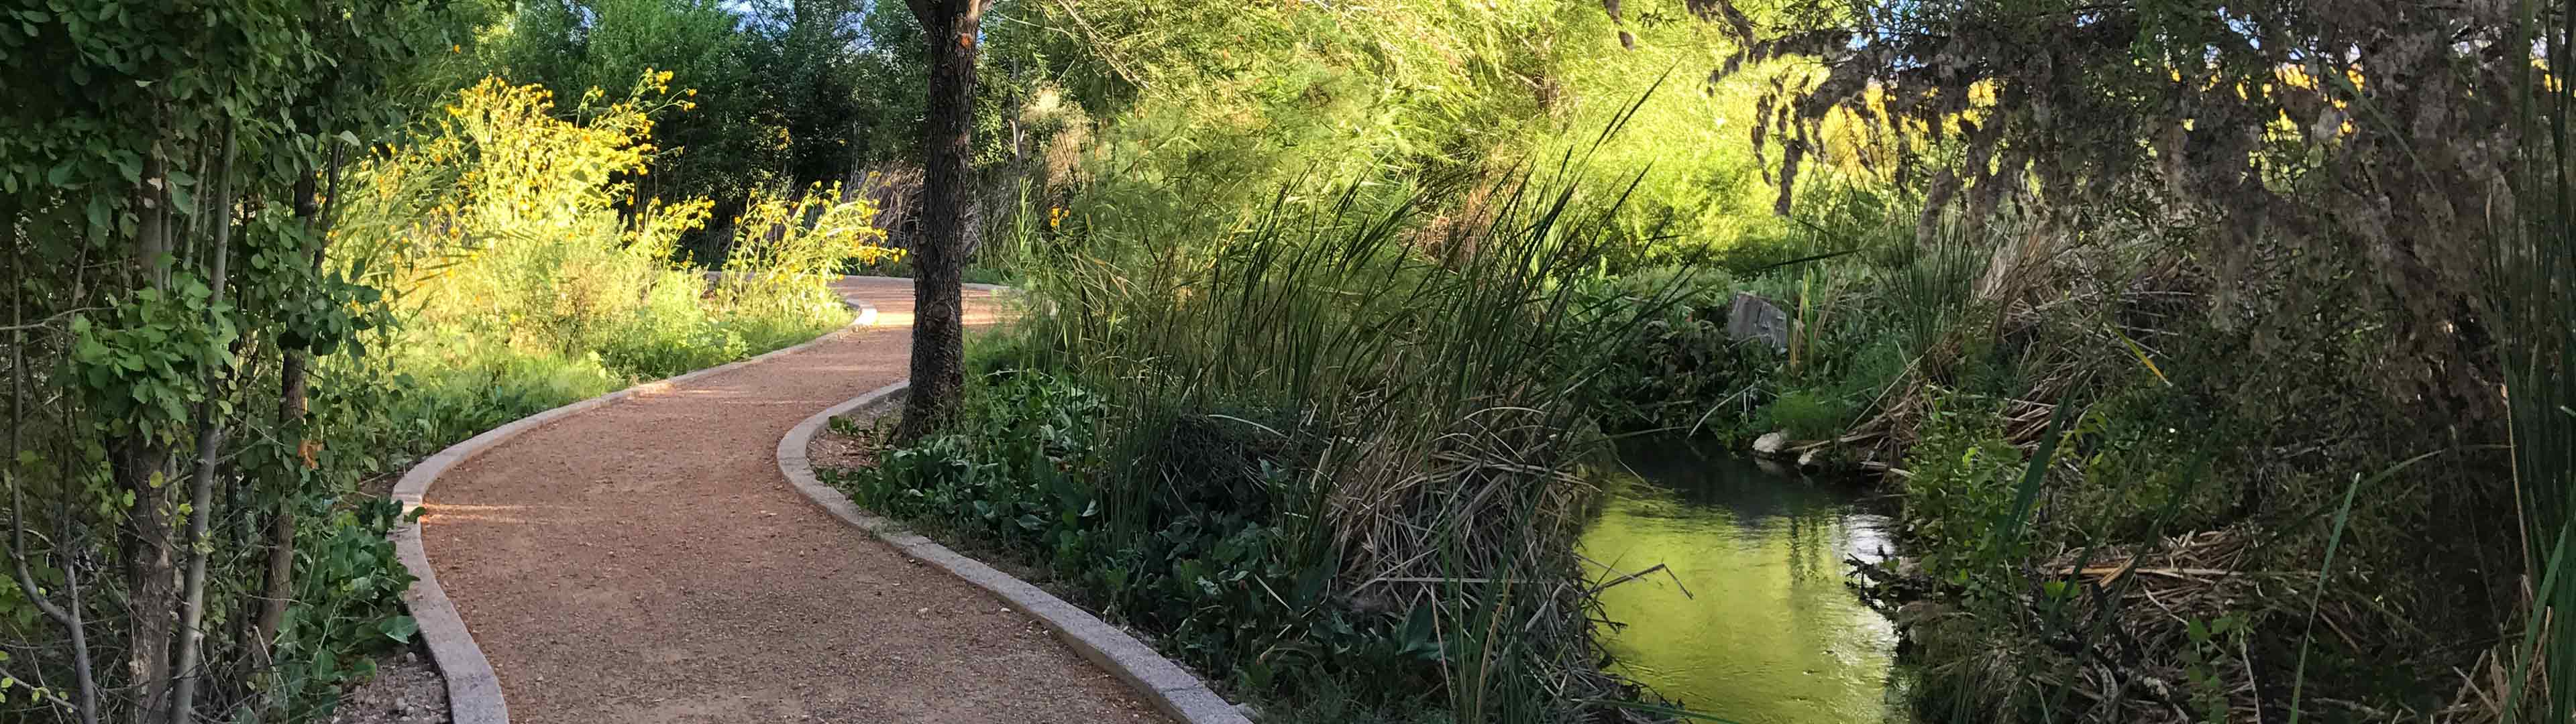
(1418, 627)
(325, 664)
(400, 628)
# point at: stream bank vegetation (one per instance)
(1302, 387)
(1329, 470)
(2216, 356)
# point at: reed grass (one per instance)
(2535, 274)
(1396, 420)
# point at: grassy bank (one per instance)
(1330, 470)
(2122, 500)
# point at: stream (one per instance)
(1767, 633)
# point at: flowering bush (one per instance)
(514, 236)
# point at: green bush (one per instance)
(347, 573)
(1026, 469)
(1810, 415)
(524, 285)
(1964, 473)
(1678, 369)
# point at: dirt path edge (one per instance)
(1170, 688)
(473, 690)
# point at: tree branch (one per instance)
(1092, 36)
(210, 444)
(69, 618)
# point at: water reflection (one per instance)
(1766, 633)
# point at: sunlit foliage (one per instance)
(501, 227)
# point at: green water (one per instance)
(1768, 633)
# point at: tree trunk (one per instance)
(277, 588)
(279, 585)
(852, 177)
(142, 468)
(938, 326)
(201, 490)
(141, 465)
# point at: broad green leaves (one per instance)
(158, 152)
(143, 364)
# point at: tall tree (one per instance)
(947, 149)
(810, 45)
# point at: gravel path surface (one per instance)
(644, 562)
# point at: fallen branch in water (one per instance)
(1668, 573)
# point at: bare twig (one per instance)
(57, 318)
(1093, 36)
(1596, 590)
(69, 618)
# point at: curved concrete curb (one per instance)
(473, 690)
(1169, 687)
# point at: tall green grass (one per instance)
(2535, 275)
(1387, 419)
(1436, 394)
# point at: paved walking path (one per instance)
(645, 562)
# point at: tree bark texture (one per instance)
(938, 326)
(141, 465)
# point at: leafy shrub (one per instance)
(1964, 471)
(498, 227)
(347, 574)
(1025, 468)
(1679, 368)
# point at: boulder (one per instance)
(1752, 317)
(1772, 445)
